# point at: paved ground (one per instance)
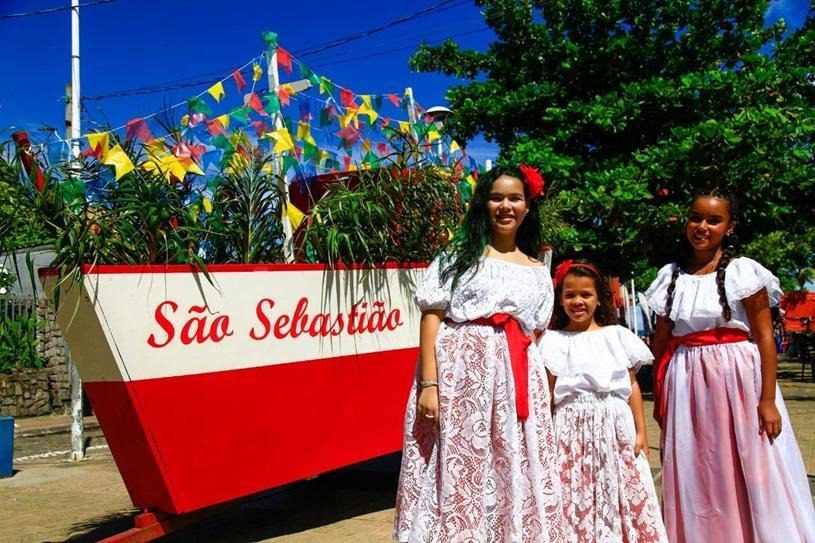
(51, 499)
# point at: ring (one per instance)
(429, 416)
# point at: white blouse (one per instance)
(494, 286)
(593, 361)
(696, 304)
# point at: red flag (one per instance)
(284, 59)
(137, 128)
(347, 160)
(347, 98)
(254, 102)
(215, 127)
(382, 149)
(260, 128)
(395, 100)
(283, 96)
(240, 82)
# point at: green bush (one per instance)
(18, 343)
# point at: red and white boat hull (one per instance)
(207, 392)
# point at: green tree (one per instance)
(631, 107)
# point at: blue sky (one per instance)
(129, 44)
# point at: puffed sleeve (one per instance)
(745, 277)
(657, 293)
(432, 293)
(636, 351)
(551, 350)
(547, 300)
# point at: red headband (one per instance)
(533, 179)
(563, 270)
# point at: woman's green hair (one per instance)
(467, 246)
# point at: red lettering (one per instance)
(164, 323)
(264, 321)
(394, 320)
(220, 328)
(300, 319)
(281, 321)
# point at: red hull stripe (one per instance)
(221, 268)
(188, 442)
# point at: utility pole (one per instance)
(72, 131)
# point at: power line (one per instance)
(48, 11)
(183, 83)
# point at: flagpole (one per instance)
(274, 85)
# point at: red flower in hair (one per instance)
(561, 271)
(534, 180)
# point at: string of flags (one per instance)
(313, 124)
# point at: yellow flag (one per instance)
(217, 91)
(99, 140)
(366, 145)
(433, 134)
(304, 132)
(117, 158)
(224, 120)
(404, 127)
(190, 166)
(185, 120)
(257, 72)
(349, 117)
(367, 109)
(454, 146)
(294, 215)
(471, 180)
(207, 205)
(282, 140)
(288, 89)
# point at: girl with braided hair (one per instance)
(731, 468)
(478, 455)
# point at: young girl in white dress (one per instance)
(732, 470)
(608, 493)
(478, 457)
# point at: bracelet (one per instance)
(424, 383)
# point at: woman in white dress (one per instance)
(478, 458)
(608, 493)
(732, 470)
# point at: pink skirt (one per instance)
(608, 492)
(484, 476)
(722, 481)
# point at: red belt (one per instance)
(518, 343)
(714, 336)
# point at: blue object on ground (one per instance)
(6, 446)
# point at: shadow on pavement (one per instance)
(351, 492)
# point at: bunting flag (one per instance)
(270, 39)
(206, 203)
(347, 98)
(326, 86)
(117, 158)
(367, 109)
(254, 102)
(284, 59)
(304, 133)
(283, 141)
(404, 127)
(137, 128)
(240, 82)
(283, 94)
(217, 91)
(197, 105)
(395, 100)
(454, 146)
(294, 215)
(257, 72)
(98, 145)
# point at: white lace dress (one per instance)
(608, 493)
(484, 476)
(721, 479)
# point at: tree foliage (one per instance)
(630, 107)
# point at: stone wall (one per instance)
(29, 392)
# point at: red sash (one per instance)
(518, 343)
(713, 336)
